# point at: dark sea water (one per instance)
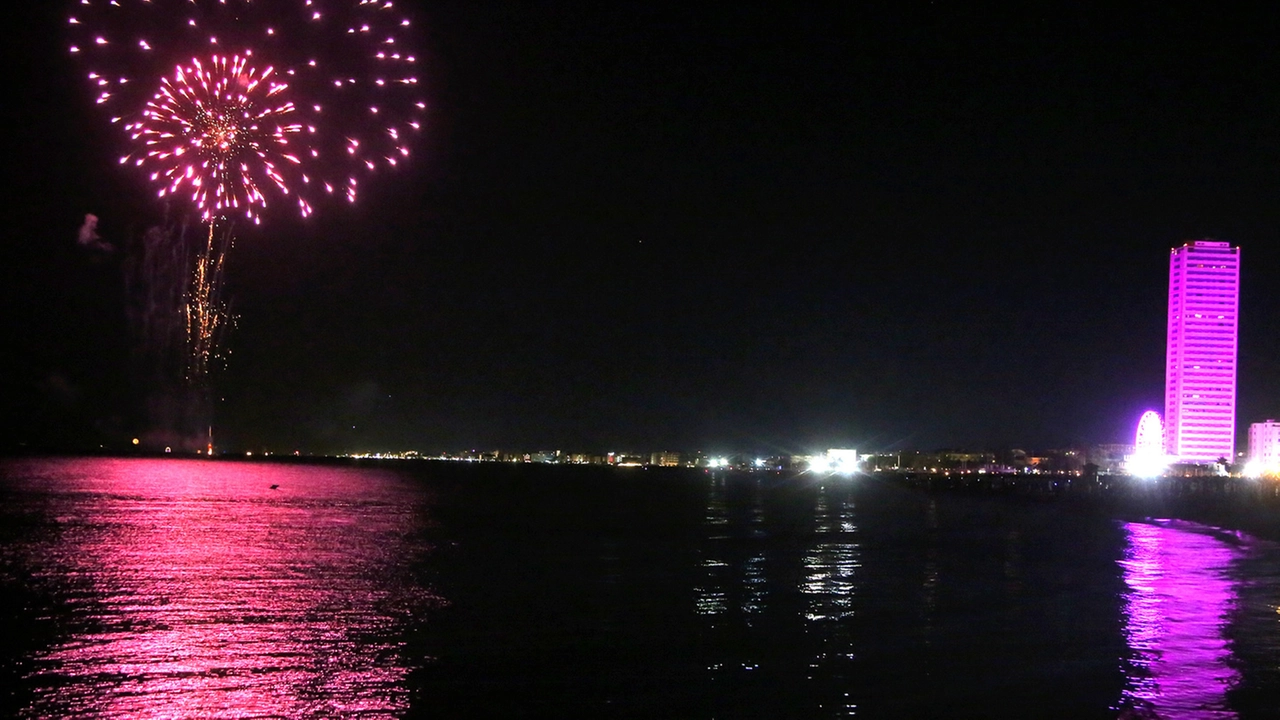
(134, 588)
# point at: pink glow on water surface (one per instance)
(1175, 612)
(199, 590)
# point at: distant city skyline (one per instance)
(775, 228)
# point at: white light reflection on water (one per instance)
(197, 589)
(1175, 612)
(831, 565)
(830, 583)
(710, 594)
(733, 581)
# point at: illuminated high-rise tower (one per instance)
(1200, 365)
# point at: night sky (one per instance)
(735, 227)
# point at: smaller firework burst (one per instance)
(208, 316)
(221, 131)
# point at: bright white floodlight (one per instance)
(1148, 459)
(842, 462)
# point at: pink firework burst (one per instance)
(221, 130)
(350, 73)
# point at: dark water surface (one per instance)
(186, 588)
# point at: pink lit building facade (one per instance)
(1264, 444)
(1200, 365)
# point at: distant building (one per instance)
(1264, 445)
(665, 459)
(1013, 460)
(1200, 365)
(543, 456)
(1109, 458)
(965, 461)
(1061, 461)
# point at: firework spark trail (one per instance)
(160, 278)
(208, 317)
(313, 94)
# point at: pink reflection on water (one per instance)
(1175, 611)
(198, 590)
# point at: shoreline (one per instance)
(1231, 504)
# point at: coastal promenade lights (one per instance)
(1258, 469)
(1146, 468)
(1252, 469)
